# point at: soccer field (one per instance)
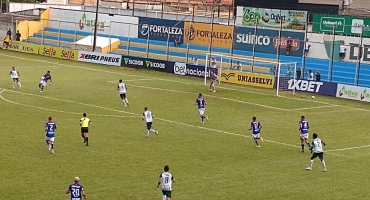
(217, 160)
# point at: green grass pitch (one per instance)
(215, 161)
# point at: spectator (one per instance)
(238, 66)
(342, 51)
(307, 46)
(289, 73)
(18, 36)
(274, 71)
(177, 41)
(299, 73)
(310, 75)
(9, 33)
(289, 43)
(190, 32)
(195, 61)
(318, 76)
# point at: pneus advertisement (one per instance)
(183, 69)
(323, 88)
(135, 62)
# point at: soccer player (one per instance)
(256, 130)
(14, 74)
(201, 103)
(303, 130)
(318, 151)
(122, 88)
(148, 117)
(213, 78)
(84, 123)
(50, 128)
(76, 190)
(165, 181)
(44, 80)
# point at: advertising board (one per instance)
(272, 18)
(99, 58)
(183, 69)
(318, 87)
(249, 79)
(23, 47)
(160, 29)
(346, 25)
(145, 63)
(268, 40)
(353, 92)
(200, 34)
(75, 20)
(56, 52)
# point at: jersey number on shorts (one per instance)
(75, 192)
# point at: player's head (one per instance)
(48, 72)
(13, 68)
(120, 80)
(166, 168)
(50, 118)
(254, 118)
(77, 179)
(303, 118)
(200, 95)
(212, 72)
(314, 136)
(84, 114)
(146, 108)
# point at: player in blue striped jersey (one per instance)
(303, 131)
(201, 103)
(256, 130)
(76, 190)
(50, 128)
(44, 81)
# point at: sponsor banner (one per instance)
(160, 29)
(99, 58)
(76, 20)
(200, 34)
(249, 79)
(323, 88)
(135, 62)
(346, 25)
(322, 47)
(272, 18)
(24, 47)
(57, 52)
(183, 69)
(353, 92)
(268, 40)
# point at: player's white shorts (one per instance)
(51, 139)
(201, 111)
(254, 136)
(304, 136)
(43, 83)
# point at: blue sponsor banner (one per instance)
(318, 87)
(267, 41)
(159, 29)
(183, 69)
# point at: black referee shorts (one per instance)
(84, 130)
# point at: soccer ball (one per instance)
(313, 97)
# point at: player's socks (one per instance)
(308, 144)
(256, 143)
(311, 163)
(261, 139)
(87, 141)
(302, 146)
(164, 197)
(323, 165)
(126, 101)
(52, 146)
(19, 83)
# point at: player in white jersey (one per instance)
(148, 117)
(165, 181)
(122, 88)
(14, 74)
(318, 151)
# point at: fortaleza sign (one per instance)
(183, 69)
(268, 41)
(99, 58)
(136, 62)
(353, 92)
(160, 29)
(319, 87)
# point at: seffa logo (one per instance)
(49, 51)
(84, 22)
(108, 59)
(304, 85)
(67, 54)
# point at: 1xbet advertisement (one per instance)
(160, 29)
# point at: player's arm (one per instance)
(18, 73)
(323, 143)
(173, 179)
(153, 116)
(159, 180)
(83, 194)
(250, 128)
(260, 126)
(118, 87)
(80, 122)
(143, 117)
(68, 191)
(89, 122)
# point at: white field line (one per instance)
(143, 79)
(21, 67)
(166, 120)
(223, 98)
(349, 148)
(317, 107)
(59, 111)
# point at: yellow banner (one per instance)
(250, 79)
(24, 47)
(200, 34)
(57, 52)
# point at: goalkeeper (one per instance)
(213, 78)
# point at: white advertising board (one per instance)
(99, 58)
(353, 92)
(115, 25)
(322, 45)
